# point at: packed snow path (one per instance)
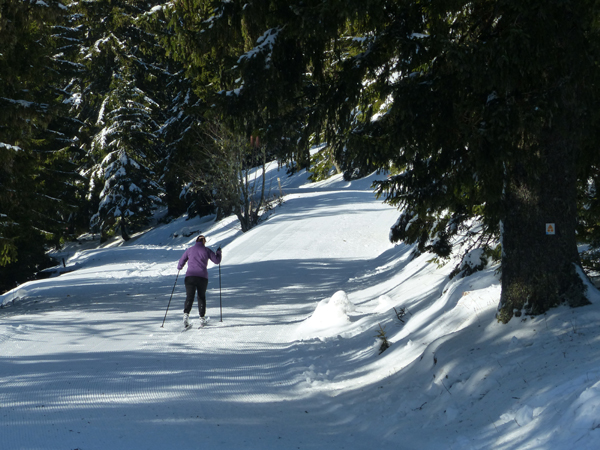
(87, 365)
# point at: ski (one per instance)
(187, 328)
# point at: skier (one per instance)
(196, 277)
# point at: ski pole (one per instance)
(163, 324)
(220, 296)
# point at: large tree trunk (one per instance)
(539, 269)
(123, 225)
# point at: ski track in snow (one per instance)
(85, 363)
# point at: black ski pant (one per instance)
(193, 284)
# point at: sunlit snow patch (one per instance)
(329, 318)
(384, 303)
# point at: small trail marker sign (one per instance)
(550, 228)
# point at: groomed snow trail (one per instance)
(85, 363)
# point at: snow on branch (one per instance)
(264, 43)
(24, 103)
(11, 147)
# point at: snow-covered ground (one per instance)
(295, 363)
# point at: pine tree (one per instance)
(89, 31)
(121, 37)
(215, 61)
(180, 113)
(34, 200)
(130, 192)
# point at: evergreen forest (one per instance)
(483, 113)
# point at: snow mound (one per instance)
(340, 301)
(384, 304)
(586, 409)
(329, 318)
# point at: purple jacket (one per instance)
(197, 258)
